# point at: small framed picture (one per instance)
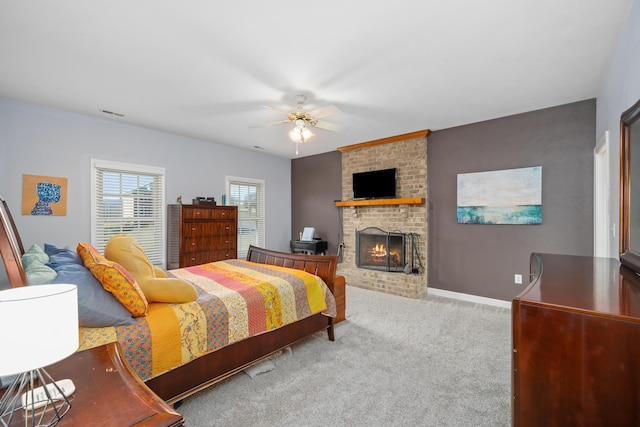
(44, 195)
(307, 234)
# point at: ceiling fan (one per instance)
(303, 119)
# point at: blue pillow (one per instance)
(58, 255)
(96, 307)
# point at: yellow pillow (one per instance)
(153, 281)
(115, 279)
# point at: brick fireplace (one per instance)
(406, 215)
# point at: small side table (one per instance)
(108, 393)
(315, 247)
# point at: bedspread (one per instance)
(236, 299)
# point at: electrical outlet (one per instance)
(518, 279)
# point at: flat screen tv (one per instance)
(378, 184)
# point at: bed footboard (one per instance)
(323, 266)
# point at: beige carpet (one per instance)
(395, 362)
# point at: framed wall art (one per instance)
(44, 195)
(511, 196)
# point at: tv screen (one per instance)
(379, 184)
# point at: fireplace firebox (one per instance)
(377, 249)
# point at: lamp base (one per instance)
(35, 398)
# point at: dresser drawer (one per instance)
(197, 258)
(209, 213)
(208, 228)
(197, 244)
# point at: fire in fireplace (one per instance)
(377, 249)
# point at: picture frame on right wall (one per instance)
(510, 196)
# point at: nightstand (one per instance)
(108, 393)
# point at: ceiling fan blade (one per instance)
(270, 124)
(329, 126)
(326, 111)
(277, 110)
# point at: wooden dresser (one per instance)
(576, 344)
(197, 234)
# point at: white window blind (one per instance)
(129, 199)
(248, 195)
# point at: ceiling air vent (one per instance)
(112, 113)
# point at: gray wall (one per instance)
(482, 259)
(619, 90)
(316, 182)
(45, 141)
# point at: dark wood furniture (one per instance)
(198, 374)
(198, 234)
(576, 344)
(315, 247)
(108, 393)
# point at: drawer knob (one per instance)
(193, 259)
(193, 229)
(227, 227)
(193, 244)
(197, 213)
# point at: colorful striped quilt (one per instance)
(236, 299)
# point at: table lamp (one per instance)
(38, 327)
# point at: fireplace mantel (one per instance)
(381, 202)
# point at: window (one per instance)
(248, 195)
(128, 199)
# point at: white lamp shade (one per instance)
(38, 326)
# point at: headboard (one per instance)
(11, 247)
(323, 266)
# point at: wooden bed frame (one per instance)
(213, 367)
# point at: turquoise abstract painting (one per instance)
(511, 196)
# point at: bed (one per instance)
(222, 354)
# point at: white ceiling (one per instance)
(205, 69)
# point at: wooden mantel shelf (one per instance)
(404, 137)
(380, 202)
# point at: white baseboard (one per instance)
(469, 297)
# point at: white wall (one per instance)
(39, 140)
(619, 90)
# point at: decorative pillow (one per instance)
(115, 279)
(97, 308)
(58, 255)
(170, 290)
(34, 254)
(39, 274)
(153, 281)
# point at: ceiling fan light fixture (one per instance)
(303, 120)
(306, 134)
(300, 134)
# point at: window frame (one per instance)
(261, 214)
(98, 166)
